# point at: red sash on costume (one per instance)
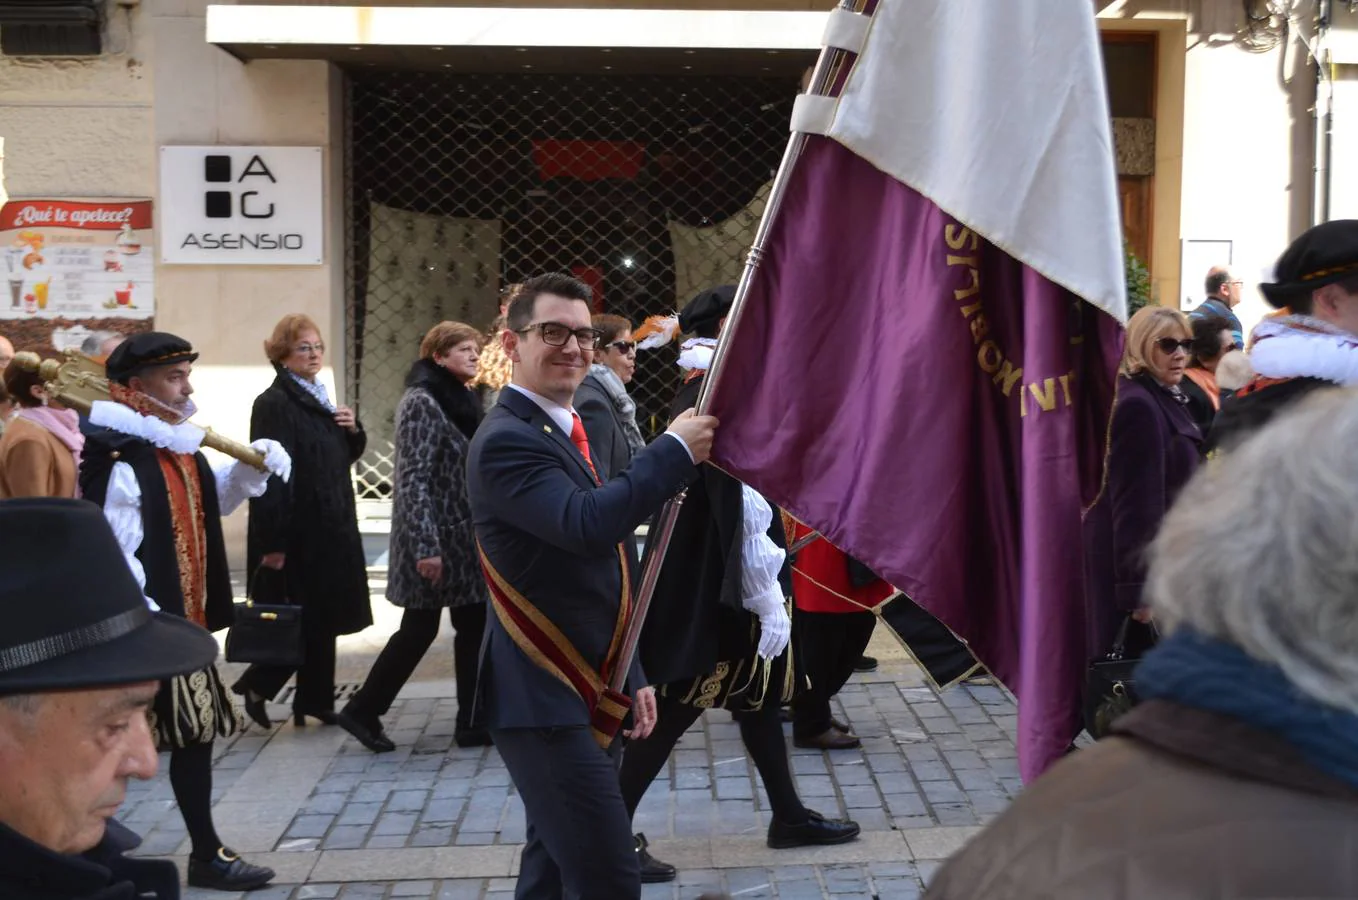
(547, 647)
(185, 490)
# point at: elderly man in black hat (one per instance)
(165, 504)
(718, 629)
(81, 658)
(1313, 344)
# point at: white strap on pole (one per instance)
(846, 30)
(813, 114)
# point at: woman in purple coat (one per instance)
(1154, 448)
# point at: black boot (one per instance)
(653, 871)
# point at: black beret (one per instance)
(1322, 255)
(147, 350)
(708, 308)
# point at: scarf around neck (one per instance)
(456, 400)
(315, 388)
(1192, 670)
(63, 423)
(627, 409)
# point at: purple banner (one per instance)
(935, 408)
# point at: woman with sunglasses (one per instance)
(602, 401)
(1212, 339)
(1154, 448)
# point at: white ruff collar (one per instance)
(697, 353)
(1304, 347)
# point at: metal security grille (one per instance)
(648, 188)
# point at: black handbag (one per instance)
(267, 629)
(1110, 683)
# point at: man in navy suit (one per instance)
(553, 543)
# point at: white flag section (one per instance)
(996, 111)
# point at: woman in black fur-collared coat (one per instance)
(433, 562)
(307, 529)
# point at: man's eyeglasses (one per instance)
(1169, 345)
(623, 347)
(554, 334)
(308, 349)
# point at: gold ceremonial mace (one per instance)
(80, 381)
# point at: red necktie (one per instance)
(581, 442)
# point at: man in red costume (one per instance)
(834, 596)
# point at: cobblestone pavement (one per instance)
(436, 821)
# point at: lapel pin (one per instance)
(547, 428)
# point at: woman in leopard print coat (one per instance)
(433, 562)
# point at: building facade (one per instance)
(462, 148)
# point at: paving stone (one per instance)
(905, 804)
(363, 891)
(360, 814)
(395, 823)
(345, 837)
(310, 826)
(432, 836)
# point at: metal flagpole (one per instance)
(827, 64)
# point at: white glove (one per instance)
(276, 459)
(775, 630)
(183, 438)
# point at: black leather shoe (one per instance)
(471, 737)
(227, 872)
(829, 739)
(865, 664)
(815, 830)
(840, 726)
(653, 871)
(254, 708)
(369, 733)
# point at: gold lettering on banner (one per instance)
(1040, 396)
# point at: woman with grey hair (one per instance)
(1237, 776)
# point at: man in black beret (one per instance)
(1314, 344)
(81, 658)
(718, 629)
(165, 504)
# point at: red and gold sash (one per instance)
(548, 648)
(187, 521)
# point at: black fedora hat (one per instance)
(1323, 255)
(74, 616)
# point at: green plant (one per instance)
(1139, 290)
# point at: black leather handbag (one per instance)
(1110, 683)
(267, 629)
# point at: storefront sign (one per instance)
(255, 206)
(73, 267)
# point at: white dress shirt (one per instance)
(565, 417)
(236, 482)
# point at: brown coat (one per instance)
(1184, 804)
(34, 463)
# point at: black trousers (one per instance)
(397, 661)
(579, 837)
(761, 732)
(828, 645)
(315, 677)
